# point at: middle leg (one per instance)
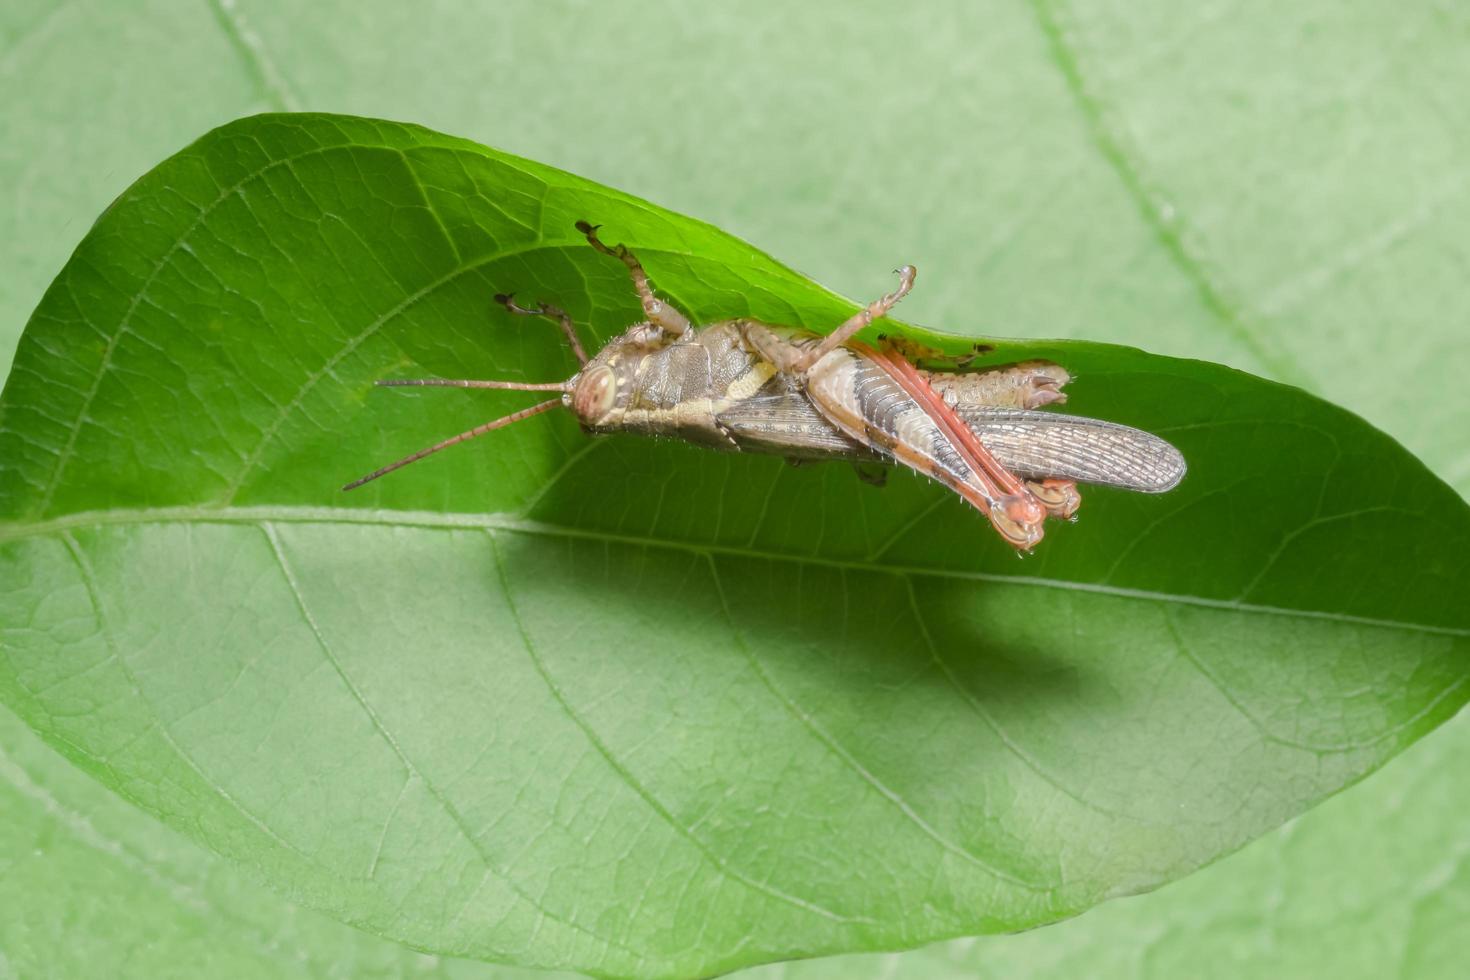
(659, 313)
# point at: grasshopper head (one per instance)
(605, 388)
(595, 395)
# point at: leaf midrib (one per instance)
(283, 514)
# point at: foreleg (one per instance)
(554, 313)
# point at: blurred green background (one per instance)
(1280, 188)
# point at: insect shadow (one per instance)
(859, 627)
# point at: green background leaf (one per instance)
(1097, 252)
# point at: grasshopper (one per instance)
(747, 386)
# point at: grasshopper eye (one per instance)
(595, 394)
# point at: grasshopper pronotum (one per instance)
(748, 386)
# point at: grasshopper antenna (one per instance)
(471, 383)
(465, 436)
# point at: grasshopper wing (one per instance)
(1039, 445)
(1035, 445)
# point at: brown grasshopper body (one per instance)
(748, 386)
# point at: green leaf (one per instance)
(1353, 888)
(87, 880)
(632, 707)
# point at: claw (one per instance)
(590, 230)
(1060, 497)
(508, 300)
(1018, 519)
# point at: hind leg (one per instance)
(659, 313)
(880, 307)
(797, 358)
(1061, 498)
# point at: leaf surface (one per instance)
(87, 880)
(627, 706)
(1321, 896)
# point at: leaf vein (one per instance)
(94, 596)
(253, 56)
(627, 777)
(431, 520)
(449, 809)
(985, 715)
(1265, 732)
(353, 343)
(1154, 213)
(852, 763)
